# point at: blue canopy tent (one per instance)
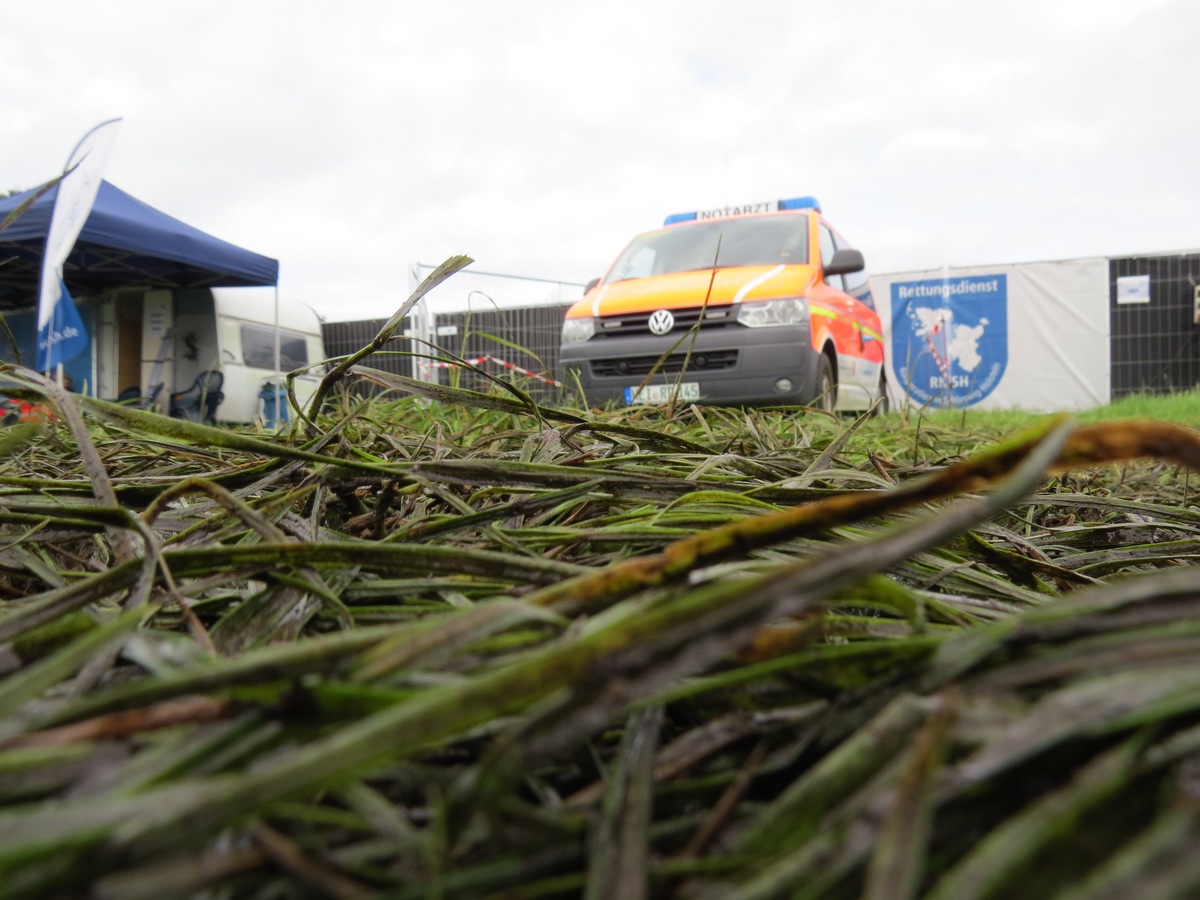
(123, 243)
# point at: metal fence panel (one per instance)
(520, 345)
(344, 338)
(1155, 345)
(508, 325)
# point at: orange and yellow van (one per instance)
(762, 304)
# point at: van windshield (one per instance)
(724, 243)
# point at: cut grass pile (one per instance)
(454, 645)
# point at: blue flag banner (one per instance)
(63, 336)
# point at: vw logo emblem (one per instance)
(661, 322)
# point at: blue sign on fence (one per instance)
(950, 338)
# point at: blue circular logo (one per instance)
(950, 338)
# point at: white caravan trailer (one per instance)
(156, 344)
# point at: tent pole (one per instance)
(278, 375)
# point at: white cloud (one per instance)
(934, 146)
(352, 140)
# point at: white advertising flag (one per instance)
(60, 331)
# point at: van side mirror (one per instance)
(591, 284)
(845, 261)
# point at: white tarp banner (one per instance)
(1029, 336)
(61, 334)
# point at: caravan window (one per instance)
(258, 348)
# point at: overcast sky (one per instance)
(350, 140)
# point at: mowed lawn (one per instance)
(437, 643)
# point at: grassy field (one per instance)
(1182, 408)
(436, 643)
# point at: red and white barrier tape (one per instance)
(501, 362)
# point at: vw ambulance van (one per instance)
(761, 304)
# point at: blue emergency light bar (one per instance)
(800, 203)
(767, 206)
(676, 218)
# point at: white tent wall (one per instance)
(1031, 336)
(1060, 348)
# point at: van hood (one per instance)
(684, 289)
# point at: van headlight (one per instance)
(578, 330)
(766, 313)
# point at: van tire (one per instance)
(826, 386)
(885, 402)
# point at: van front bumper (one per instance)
(734, 366)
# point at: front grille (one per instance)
(638, 323)
(640, 366)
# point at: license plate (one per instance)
(687, 392)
